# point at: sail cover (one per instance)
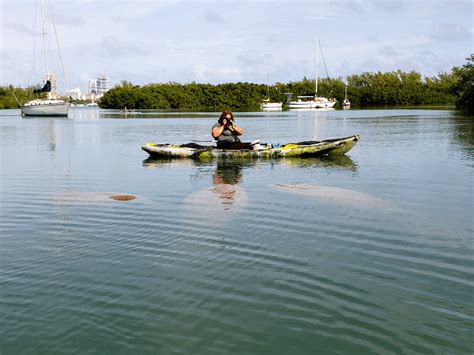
(45, 88)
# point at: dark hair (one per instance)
(223, 116)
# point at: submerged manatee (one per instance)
(337, 195)
(78, 197)
(218, 203)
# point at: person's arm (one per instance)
(217, 131)
(239, 131)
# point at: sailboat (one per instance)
(267, 105)
(346, 103)
(314, 101)
(50, 106)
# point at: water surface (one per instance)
(367, 253)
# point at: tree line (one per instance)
(363, 90)
(10, 94)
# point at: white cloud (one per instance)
(113, 47)
(449, 32)
(20, 28)
(213, 17)
(388, 52)
(204, 73)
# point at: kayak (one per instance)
(337, 146)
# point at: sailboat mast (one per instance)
(268, 87)
(44, 39)
(317, 67)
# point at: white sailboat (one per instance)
(50, 106)
(314, 101)
(346, 103)
(267, 105)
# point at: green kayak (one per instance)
(338, 146)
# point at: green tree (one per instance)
(464, 86)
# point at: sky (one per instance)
(207, 41)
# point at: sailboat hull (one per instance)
(271, 105)
(311, 104)
(47, 109)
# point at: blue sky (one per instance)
(229, 41)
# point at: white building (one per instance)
(76, 93)
(103, 84)
(100, 85)
(93, 86)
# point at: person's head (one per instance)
(226, 115)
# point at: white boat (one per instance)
(346, 103)
(313, 101)
(49, 106)
(267, 105)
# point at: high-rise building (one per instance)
(93, 86)
(100, 85)
(103, 84)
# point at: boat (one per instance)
(50, 106)
(346, 103)
(337, 146)
(45, 107)
(267, 105)
(313, 101)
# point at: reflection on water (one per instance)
(153, 163)
(224, 167)
(225, 179)
(224, 199)
(343, 162)
(226, 194)
(463, 132)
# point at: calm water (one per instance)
(369, 253)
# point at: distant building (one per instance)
(75, 94)
(103, 84)
(93, 86)
(100, 85)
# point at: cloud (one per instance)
(426, 53)
(204, 73)
(213, 17)
(71, 20)
(391, 6)
(388, 52)
(110, 46)
(449, 32)
(20, 28)
(321, 12)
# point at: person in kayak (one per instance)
(226, 131)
